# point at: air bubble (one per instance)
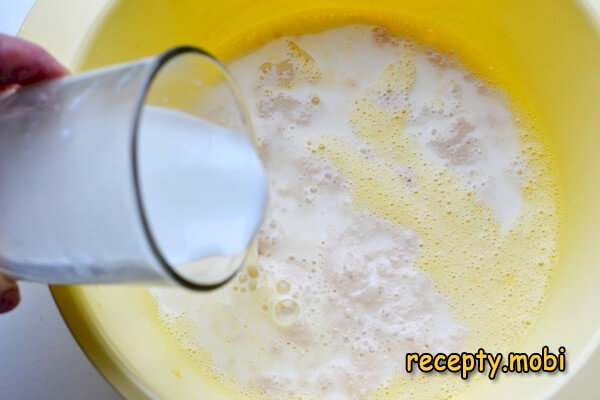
(286, 311)
(282, 286)
(252, 286)
(252, 272)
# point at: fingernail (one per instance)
(9, 300)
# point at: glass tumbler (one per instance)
(75, 205)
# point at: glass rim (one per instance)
(158, 63)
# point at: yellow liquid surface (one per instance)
(495, 280)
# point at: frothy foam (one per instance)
(397, 183)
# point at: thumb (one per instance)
(23, 63)
(9, 294)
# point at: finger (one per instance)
(9, 294)
(23, 63)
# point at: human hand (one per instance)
(22, 63)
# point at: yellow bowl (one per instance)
(546, 53)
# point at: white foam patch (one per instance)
(467, 126)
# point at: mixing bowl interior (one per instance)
(546, 54)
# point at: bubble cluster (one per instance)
(296, 68)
